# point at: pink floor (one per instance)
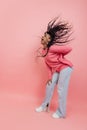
(17, 113)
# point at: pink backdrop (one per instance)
(22, 22)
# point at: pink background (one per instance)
(22, 76)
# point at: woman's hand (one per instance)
(49, 82)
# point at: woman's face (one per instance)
(45, 39)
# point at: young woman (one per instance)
(54, 49)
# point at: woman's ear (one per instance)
(49, 39)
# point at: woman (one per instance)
(54, 49)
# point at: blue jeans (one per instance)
(60, 79)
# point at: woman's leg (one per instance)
(49, 92)
(63, 84)
(50, 89)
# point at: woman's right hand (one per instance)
(49, 82)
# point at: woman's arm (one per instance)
(49, 71)
(61, 49)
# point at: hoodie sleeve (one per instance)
(49, 71)
(61, 49)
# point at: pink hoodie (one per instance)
(55, 59)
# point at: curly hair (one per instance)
(60, 32)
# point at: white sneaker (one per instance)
(39, 109)
(55, 115)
